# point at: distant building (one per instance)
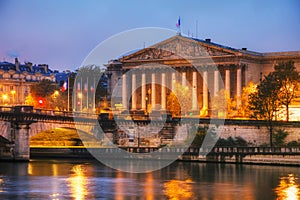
(16, 79)
(205, 65)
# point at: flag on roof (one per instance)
(178, 23)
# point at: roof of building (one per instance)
(209, 42)
(6, 66)
(211, 45)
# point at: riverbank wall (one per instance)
(82, 153)
(288, 160)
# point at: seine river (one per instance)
(87, 179)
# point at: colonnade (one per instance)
(167, 79)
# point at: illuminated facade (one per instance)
(204, 66)
(16, 78)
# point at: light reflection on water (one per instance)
(78, 182)
(288, 188)
(177, 189)
(68, 179)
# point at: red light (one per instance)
(40, 101)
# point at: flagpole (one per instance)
(68, 107)
(81, 95)
(87, 93)
(94, 97)
(75, 96)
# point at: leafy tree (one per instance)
(219, 104)
(289, 79)
(43, 88)
(244, 110)
(223, 104)
(279, 137)
(179, 101)
(42, 91)
(264, 103)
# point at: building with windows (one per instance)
(16, 78)
(147, 77)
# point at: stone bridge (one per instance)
(18, 124)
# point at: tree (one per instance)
(43, 88)
(179, 101)
(288, 78)
(265, 102)
(244, 110)
(42, 94)
(279, 137)
(219, 104)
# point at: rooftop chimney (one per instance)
(45, 67)
(207, 40)
(17, 64)
(29, 64)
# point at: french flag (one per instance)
(178, 23)
(64, 86)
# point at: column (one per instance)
(173, 81)
(133, 93)
(153, 95)
(204, 111)
(21, 140)
(124, 92)
(194, 92)
(143, 91)
(227, 81)
(216, 82)
(239, 85)
(183, 79)
(163, 91)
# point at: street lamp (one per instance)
(56, 93)
(4, 98)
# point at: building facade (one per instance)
(148, 76)
(16, 79)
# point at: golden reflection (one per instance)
(288, 188)
(119, 187)
(149, 187)
(1, 182)
(30, 170)
(177, 189)
(78, 182)
(55, 169)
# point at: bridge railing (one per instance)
(40, 111)
(255, 150)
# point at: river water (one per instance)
(88, 179)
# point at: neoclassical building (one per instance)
(146, 77)
(16, 78)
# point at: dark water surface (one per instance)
(69, 179)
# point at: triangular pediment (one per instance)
(180, 47)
